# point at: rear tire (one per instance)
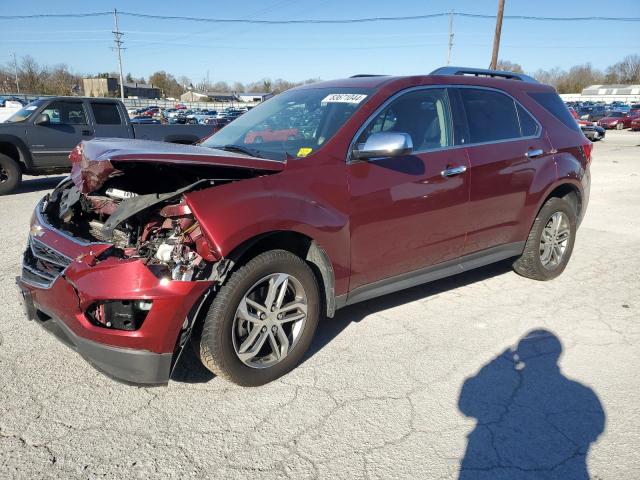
(10, 175)
(546, 258)
(225, 342)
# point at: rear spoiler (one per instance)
(480, 72)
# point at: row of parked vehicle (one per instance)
(595, 118)
(180, 114)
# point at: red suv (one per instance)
(242, 248)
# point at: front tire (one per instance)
(619, 126)
(550, 242)
(262, 321)
(10, 175)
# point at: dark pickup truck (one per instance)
(37, 139)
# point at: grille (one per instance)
(41, 264)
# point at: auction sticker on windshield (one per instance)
(344, 98)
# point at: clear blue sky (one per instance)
(295, 52)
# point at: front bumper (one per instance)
(59, 297)
(123, 364)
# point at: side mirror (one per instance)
(42, 119)
(384, 144)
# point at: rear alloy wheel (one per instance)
(550, 242)
(262, 321)
(10, 175)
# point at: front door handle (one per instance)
(538, 152)
(452, 171)
(86, 133)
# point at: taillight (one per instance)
(586, 149)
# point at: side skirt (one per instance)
(429, 274)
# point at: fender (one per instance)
(237, 212)
(568, 171)
(23, 149)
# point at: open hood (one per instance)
(95, 161)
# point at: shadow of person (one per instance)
(532, 421)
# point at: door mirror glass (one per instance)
(384, 144)
(42, 119)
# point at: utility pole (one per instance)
(117, 34)
(15, 70)
(450, 37)
(496, 38)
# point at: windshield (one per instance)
(292, 124)
(616, 114)
(25, 112)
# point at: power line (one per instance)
(373, 19)
(54, 15)
(322, 21)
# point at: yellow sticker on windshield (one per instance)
(304, 151)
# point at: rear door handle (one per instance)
(538, 152)
(452, 171)
(86, 133)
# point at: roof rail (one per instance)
(360, 75)
(481, 72)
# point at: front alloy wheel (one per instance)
(269, 320)
(262, 320)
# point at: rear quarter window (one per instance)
(552, 103)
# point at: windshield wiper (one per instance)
(240, 149)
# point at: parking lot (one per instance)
(381, 393)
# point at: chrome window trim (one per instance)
(349, 160)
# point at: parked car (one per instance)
(592, 113)
(590, 130)
(38, 138)
(635, 124)
(241, 248)
(146, 120)
(617, 120)
(266, 133)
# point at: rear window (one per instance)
(106, 113)
(554, 105)
(491, 115)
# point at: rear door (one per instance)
(51, 143)
(505, 146)
(109, 120)
(410, 211)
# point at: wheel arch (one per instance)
(299, 244)
(14, 148)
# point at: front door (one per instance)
(51, 143)
(410, 211)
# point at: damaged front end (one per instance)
(118, 264)
(139, 207)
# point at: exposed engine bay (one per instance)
(141, 210)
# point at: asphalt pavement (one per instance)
(486, 375)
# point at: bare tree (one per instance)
(509, 66)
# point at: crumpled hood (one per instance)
(95, 161)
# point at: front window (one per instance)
(293, 124)
(65, 113)
(25, 112)
(423, 114)
(616, 114)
